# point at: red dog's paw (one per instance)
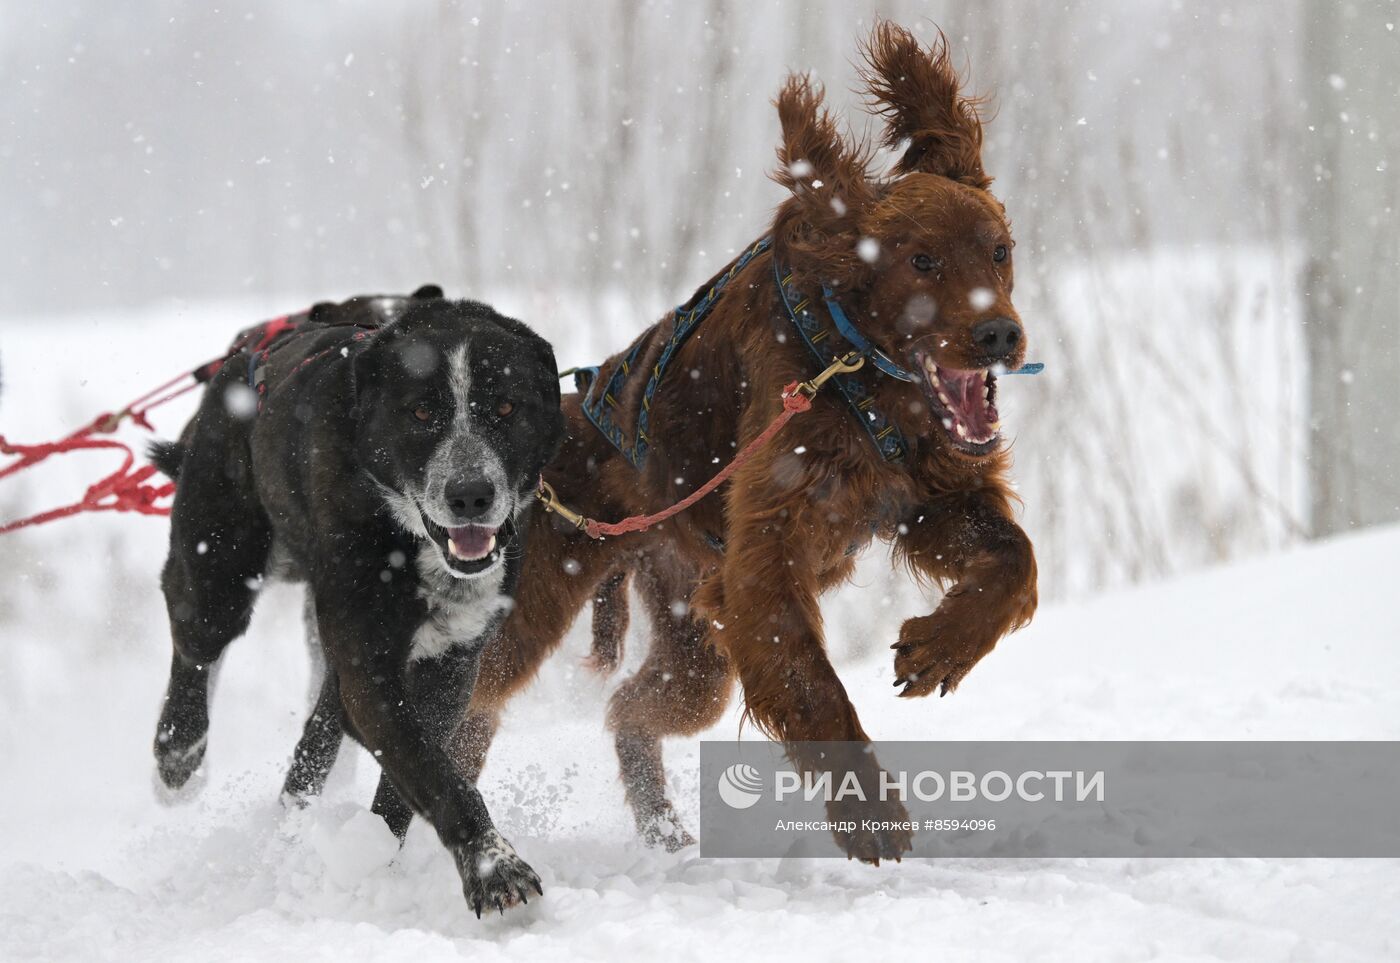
(933, 654)
(879, 829)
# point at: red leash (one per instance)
(124, 490)
(796, 398)
(128, 490)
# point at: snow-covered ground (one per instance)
(1298, 646)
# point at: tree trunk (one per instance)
(1350, 192)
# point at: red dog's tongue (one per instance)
(967, 391)
(471, 542)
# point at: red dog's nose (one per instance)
(998, 338)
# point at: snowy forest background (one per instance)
(1205, 212)
(1204, 197)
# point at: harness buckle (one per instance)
(545, 493)
(851, 361)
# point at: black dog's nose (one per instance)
(470, 498)
(998, 338)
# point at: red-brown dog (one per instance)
(919, 264)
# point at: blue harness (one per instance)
(599, 408)
(821, 335)
(821, 332)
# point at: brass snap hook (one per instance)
(852, 361)
(546, 494)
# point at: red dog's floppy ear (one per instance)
(817, 228)
(919, 94)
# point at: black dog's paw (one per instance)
(180, 773)
(177, 761)
(182, 734)
(493, 876)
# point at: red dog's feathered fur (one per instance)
(789, 518)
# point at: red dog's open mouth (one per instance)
(964, 401)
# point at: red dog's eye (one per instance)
(422, 413)
(922, 262)
(504, 408)
(1000, 253)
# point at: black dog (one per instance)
(384, 451)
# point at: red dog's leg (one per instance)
(969, 538)
(681, 688)
(765, 617)
(560, 571)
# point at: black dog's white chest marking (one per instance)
(460, 611)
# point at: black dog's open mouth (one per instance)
(469, 549)
(965, 403)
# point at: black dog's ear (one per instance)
(320, 311)
(428, 292)
(367, 366)
(552, 397)
(920, 96)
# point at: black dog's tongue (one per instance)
(471, 542)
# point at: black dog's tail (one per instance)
(168, 456)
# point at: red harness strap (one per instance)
(127, 490)
(124, 490)
(797, 398)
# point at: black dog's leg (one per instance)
(316, 750)
(183, 729)
(390, 806)
(382, 715)
(441, 688)
(219, 543)
(319, 744)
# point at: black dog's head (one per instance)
(457, 413)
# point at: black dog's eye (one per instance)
(922, 262)
(1000, 253)
(423, 413)
(504, 408)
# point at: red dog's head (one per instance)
(922, 260)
